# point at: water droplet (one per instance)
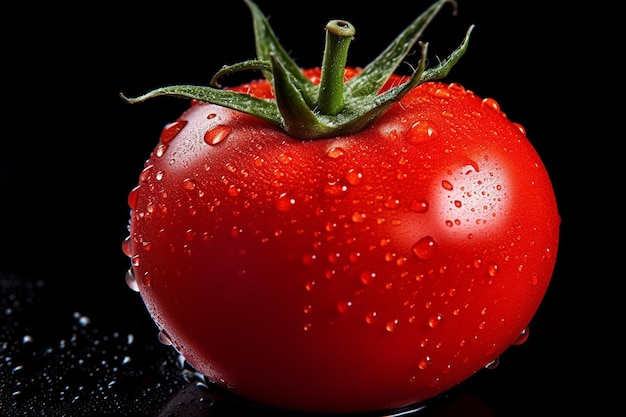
(367, 277)
(421, 131)
(520, 128)
(171, 130)
(160, 150)
(308, 259)
(447, 185)
(354, 177)
(392, 325)
(442, 93)
(492, 270)
(491, 103)
(284, 202)
(285, 159)
(425, 248)
(435, 321)
(521, 338)
(165, 338)
(335, 153)
(456, 88)
(343, 306)
(131, 281)
(335, 189)
(147, 281)
(145, 173)
(126, 246)
(333, 257)
(132, 198)
(419, 206)
(233, 191)
(358, 217)
(493, 364)
(392, 203)
(371, 317)
(217, 134)
(189, 184)
(424, 362)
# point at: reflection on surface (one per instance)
(199, 400)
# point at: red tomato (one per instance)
(361, 272)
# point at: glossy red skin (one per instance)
(288, 271)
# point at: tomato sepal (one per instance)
(306, 110)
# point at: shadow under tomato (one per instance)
(201, 401)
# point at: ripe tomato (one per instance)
(359, 272)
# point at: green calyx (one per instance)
(307, 111)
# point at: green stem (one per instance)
(339, 34)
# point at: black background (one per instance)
(71, 150)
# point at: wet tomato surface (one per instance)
(361, 272)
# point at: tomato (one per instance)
(362, 271)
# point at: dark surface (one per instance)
(76, 341)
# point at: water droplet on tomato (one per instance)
(335, 153)
(126, 246)
(447, 185)
(493, 364)
(520, 128)
(343, 306)
(522, 338)
(160, 150)
(442, 93)
(145, 173)
(335, 189)
(456, 88)
(358, 217)
(285, 159)
(189, 184)
(354, 177)
(131, 281)
(367, 277)
(419, 206)
(425, 248)
(491, 103)
(392, 203)
(132, 198)
(171, 130)
(392, 325)
(421, 131)
(492, 270)
(217, 134)
(424, 362)
(308, 259)
(165, 338)
(371, 317)
(233, 191)
(284, 202)
(435, 321)
(146, 280)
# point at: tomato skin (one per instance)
(351, 274)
